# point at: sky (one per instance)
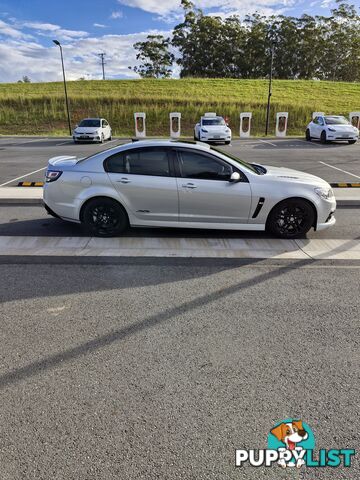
(88, 27)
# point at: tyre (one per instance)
(104, 217)
(102, 138)
(308, 136)
(351, 142)
(291, 218)
(323, 138)
(227, 142)
(195, 138)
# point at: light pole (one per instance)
(66, 97)
(270, 92)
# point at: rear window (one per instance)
(147, 161)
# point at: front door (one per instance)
(205, 193)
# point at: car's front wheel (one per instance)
(291, 218)
(104, 217)
(323, 138)
(307, 135)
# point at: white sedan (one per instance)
(328, 128)
(212, 128)
(184, 185)
(92, 130)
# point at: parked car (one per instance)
(328, 128)
(92, 130)
(176, 184)
(212, 128)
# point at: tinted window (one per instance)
(149, 161)
(197, 165)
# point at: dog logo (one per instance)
(291, 443)
(296, 437)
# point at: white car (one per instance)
(328, 128)
(189, 185)
(212, 128)
(92, 130)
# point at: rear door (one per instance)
(145, 182)
(205, 193)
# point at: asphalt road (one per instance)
(25, 159)
(34, 221)
(161, 370)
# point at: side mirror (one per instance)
(235, 177)
(76, 125)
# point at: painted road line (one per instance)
(29, 141)
(68, 142)
(267, 141)
(180, 247)
(340, 169)
(22, 176)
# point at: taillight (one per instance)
(52, 175)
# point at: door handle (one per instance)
(124, 180)
(189, 185)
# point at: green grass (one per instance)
(39, 108)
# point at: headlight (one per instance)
(204, 130)
(332, 129)
(324, 192)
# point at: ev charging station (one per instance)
(245, 124)
(317, 114)
(175, 124)
(281, 124)
(140, 124)
(354, 118)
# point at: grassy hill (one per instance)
(38, 108)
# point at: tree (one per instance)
(25, 79)
(307, 47)
(156, 59)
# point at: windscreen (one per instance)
(238, 160)
(213, 121)
(336, 121)
(90, 122)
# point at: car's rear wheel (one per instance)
(291, 218)
(323, 138)
(104, 217)
(351, 142)
(307, 135)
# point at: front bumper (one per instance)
(215, 138)
(86, 138)
(328, 224)
(344, 137)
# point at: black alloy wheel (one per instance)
(104, 217)
(291, 218)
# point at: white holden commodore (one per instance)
(189, 185)
(328, 128)
(92, 130)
